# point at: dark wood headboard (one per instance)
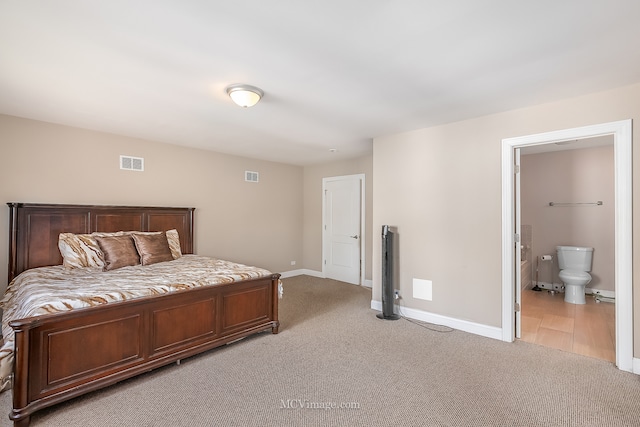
(34, 228)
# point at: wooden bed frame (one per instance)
(53, 362)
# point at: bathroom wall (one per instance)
(577, 175)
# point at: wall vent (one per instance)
(132, 163)
(250, 176)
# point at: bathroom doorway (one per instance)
(568, 198)
(621, 132)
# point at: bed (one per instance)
(130, 336)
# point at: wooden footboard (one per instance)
(61, 356)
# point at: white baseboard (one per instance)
(587, 291)
(636, 366)
(301, 272)
(461, 325)
(305, 272)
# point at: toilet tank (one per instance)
(574, 258)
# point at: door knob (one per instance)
(354, 237)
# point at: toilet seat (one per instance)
(574, 275)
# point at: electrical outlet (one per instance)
(293, 263)
(396, 294)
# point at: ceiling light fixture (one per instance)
(245, 95)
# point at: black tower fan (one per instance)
(387, 275)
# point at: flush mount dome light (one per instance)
(245, 95)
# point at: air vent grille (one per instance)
(132, 163)
(250, 176)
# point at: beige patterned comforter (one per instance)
(48, 290)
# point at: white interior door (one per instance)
(342, 229)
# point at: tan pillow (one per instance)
(174, 243)
(172, 237)
(119, 251)
(152, 248)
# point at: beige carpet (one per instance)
(335, 364)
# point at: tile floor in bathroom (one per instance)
(587, 329)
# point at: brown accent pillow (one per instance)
(119, 251)
(152, 248)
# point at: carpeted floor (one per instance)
(334, 363)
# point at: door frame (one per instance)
(623, 141)
(361, 178)
(517, 260)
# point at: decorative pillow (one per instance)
(119, 251)
(172, 237)
(79, 250)
(174, 243)
(82, 250)
(115, 233)
(152, 248)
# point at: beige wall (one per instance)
(582, 175)
(441, 186)
(258, 224)
(312, 235)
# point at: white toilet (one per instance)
(574, 263)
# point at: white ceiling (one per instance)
(335, 73)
